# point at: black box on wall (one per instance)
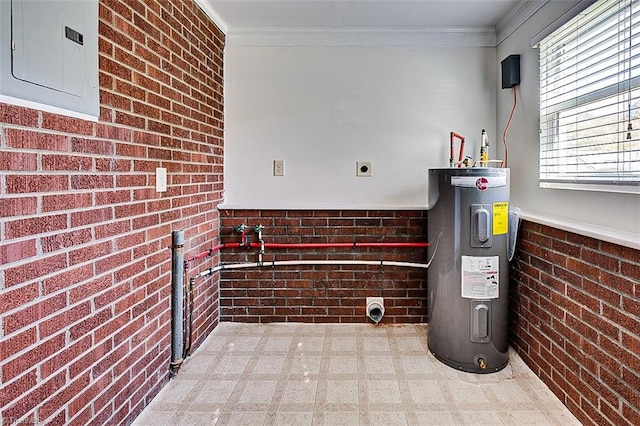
(510, 71)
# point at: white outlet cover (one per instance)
(161, 179)
(278, 167)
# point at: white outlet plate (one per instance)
(278, 167)
(364, 169)
(161, 179)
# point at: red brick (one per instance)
(112, 229)
(584, 299)
(16, 160)
(88, 253)
(632, 306)
(57, 162)
(21, 206)
(106, 131)
(14, 252)
(112, 262)
(83, 399)
(618, 251)
(631, 412)
(14, 298)
(113, 294)
(130, 120)
(583, 241)
(89, 288)
(63, 320)
(112, 165)
(16, 343)
(18, 388)
(125, 333)
(629, 322)
(32, 357)
(29, 271)
(110, 327)
(27, 139)
(60, 202)
(631, 270)
(89, 324)
(124, 181)
(616, 282)
(612, 380)
(12, 114)
(66, 124)
(599, 259)
(62, 359)
(93, 181)
(26, 184)
(113, 197)
(584, 269)
(107, 362)
(65, 240)
(93, 216)
(89, 357)
(62, 396)
(24, 227)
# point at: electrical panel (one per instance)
(52, 58)
(510, 71)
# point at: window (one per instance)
(590, 100)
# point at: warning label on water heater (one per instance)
(500, 218)
(480, 278)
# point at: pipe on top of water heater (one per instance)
(452, 136)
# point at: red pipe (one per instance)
(338, 245)
(211, 251)
(452, 154)
(206, 253)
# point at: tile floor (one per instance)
(343, 374)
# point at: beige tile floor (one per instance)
(343, 374)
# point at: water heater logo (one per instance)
(482, 184)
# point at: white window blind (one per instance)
(590, 98)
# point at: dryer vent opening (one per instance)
(375, 308)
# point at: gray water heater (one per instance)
(468, 282)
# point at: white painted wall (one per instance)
(321, 109)
(608, 216)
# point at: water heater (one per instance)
(468, 280)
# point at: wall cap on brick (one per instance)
(627, 239)
(276, 206)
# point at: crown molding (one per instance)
(342, 37)
(213, 15)
(516, 17)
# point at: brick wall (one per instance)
(85, 239)
(324, 293)
(575, 319)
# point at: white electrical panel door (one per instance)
(48, 44)
(52, 60)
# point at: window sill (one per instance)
(623, 189)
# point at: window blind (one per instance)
(590, 97)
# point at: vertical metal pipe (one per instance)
(177, 301)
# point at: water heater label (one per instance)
(500, 218)
(480, 277)
(485, 182)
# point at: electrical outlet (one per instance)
(278, 167)
(364, 169)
